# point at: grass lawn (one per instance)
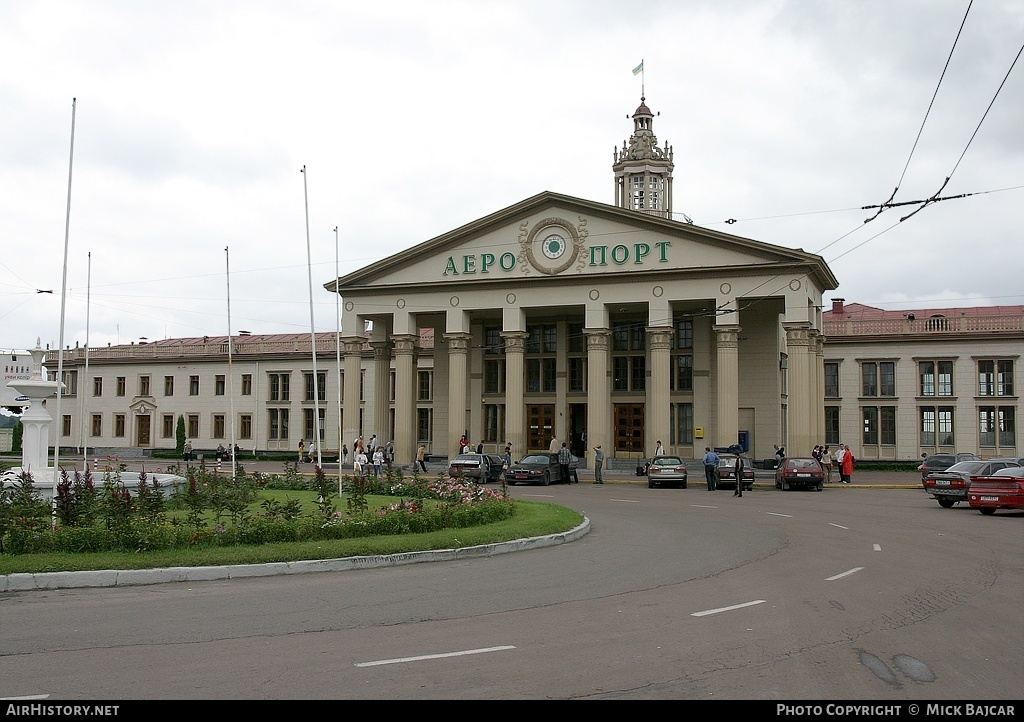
(531, 519)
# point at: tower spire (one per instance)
(643, 171)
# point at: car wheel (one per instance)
(650, 484)
(819, 487)
(683, 485)
(785, 485)
(946, 503)
(987, 512)
(546, 479)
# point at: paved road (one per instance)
(848, 594)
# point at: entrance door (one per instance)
(629, 429)
(578, 429)
(142, 430)
(540, 426)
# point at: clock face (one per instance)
(553, 246)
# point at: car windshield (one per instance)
(967, 467)
(727, 461)
(535, 459)
(467, 457)
(1010, 471)
(666, 461)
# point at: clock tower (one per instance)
(643, 171)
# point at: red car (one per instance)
(950, 486)
(1004, 489)
(800, 471)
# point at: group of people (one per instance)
(843, 459)
(710, 462)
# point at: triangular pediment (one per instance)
(553, 236)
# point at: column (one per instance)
(350, 400)
(659, 339)
(381, 390)
(405, 398)
(458, 353)
(803, 379)
(515, 423)
(727, 375)
(599, 393)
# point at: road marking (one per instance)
(840, 526)
(844, 574)
(26, 697)
(877, 547)
(420, 658)
(773, 513)
(727, 609)
(546, 496)
(627, 501)
(703, 506)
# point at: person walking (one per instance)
(598, 464)
(310, 452)
(359, 463)
(302, 449)
(739, 476)
(378, 461)
(421, 455)
(389, 453)
(506, 462)
(564, 459)
(710, 462)
(846, 466)
(344, 453)
(187, 450)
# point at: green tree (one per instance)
(179, 433)
(16, 438)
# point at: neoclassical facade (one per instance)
(556, 317)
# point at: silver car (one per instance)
(666, 471)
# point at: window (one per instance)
(97, 425)
(684, 334)
(424, 423)
(995, 378)
(936, 425)
(869, 382)
(682, 424)
(245, 426)
(120, 386)
(246, 384)
(119, 426)
(542, 339)
(321, 386)
(494, 419)
(629, 373)
(143, 385)
(832, 383)
(540, 375)
(879, 425)
(681, 374)
(629, 337)
(996, 426)
(307, 419)
(424, 386)
(193, 385)
(831, 425)
(218, 426)
(168, 386)
(70, 379)
(97, 386)
(219, 385)
(193, 426)
(167, 427)
(392, 385)
(494, 377)
(277, 423)
(279, 388)
(577, 373)
(936, 378)
(493, 342)
(1005, 417)
(66, 425)
(577, 339)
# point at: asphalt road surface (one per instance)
(847, 594)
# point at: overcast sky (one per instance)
(193, 120)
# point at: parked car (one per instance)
(1003, 490)
(541, 469)
(951, 485)
(941, 462)
(666, 471)
(727, 471)
(800, 471)
(482, 467)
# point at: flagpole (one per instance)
(231, 378)
(337, 343)
(85, 381)
(63, 300)
(312, 329)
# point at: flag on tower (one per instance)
(639, 69)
